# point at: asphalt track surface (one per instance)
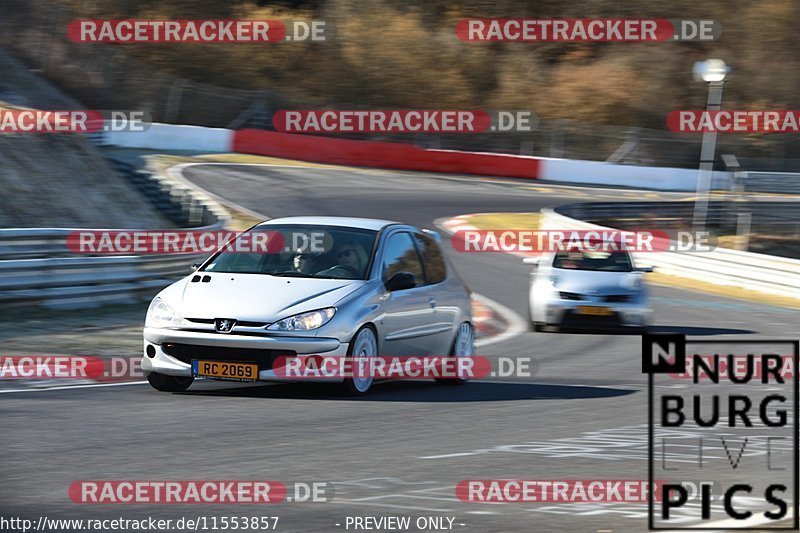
(401, 450)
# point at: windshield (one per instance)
(616, 261)
(298, 251)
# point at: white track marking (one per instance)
(516, 324)
(69, 387)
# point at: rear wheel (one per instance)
(463, 346)
(363, 346)
(166, 383)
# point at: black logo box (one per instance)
(678, 366)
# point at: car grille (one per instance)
(187, 352)
(619, 298)
(244, 323)
(570, 296)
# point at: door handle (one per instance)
(433, 301)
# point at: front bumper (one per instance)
(169, 352)
(623, 314)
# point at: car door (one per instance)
(408, 313)
(446, 301)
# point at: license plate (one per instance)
(594, 311)
(225, 370)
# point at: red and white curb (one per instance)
(461, 223)
(499, 323)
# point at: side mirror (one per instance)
(401, 281)
(644, 269)
(195, 266)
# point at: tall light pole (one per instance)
(713, 72)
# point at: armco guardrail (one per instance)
(763, 273)
(79, 282)
(37, 268)
(774, 182)
(175, 198)
(777, 218)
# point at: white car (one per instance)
(588, 289)
(369, 288)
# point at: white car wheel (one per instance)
(463, 346)
(363, 347)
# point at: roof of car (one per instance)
(350, 222)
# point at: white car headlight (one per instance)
(160, 314)
(634, 282)
(304, 321)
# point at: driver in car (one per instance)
(352, 260)
(303, 261)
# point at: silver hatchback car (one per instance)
(336, 286)
(588, 289)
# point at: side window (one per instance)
(401, 255)
(434, 260)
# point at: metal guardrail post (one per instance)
(173, 102)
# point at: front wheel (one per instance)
(363, 346)
(463, 346)
(534, 325)
(166, 383)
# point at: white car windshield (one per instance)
(298, 251)
(610, 261)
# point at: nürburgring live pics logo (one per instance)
(723, 441)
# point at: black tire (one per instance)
(165, 383)
(532, 324)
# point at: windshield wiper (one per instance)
(290, 274)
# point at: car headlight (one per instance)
(633, 282)
(304, 321)
(160, 314)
